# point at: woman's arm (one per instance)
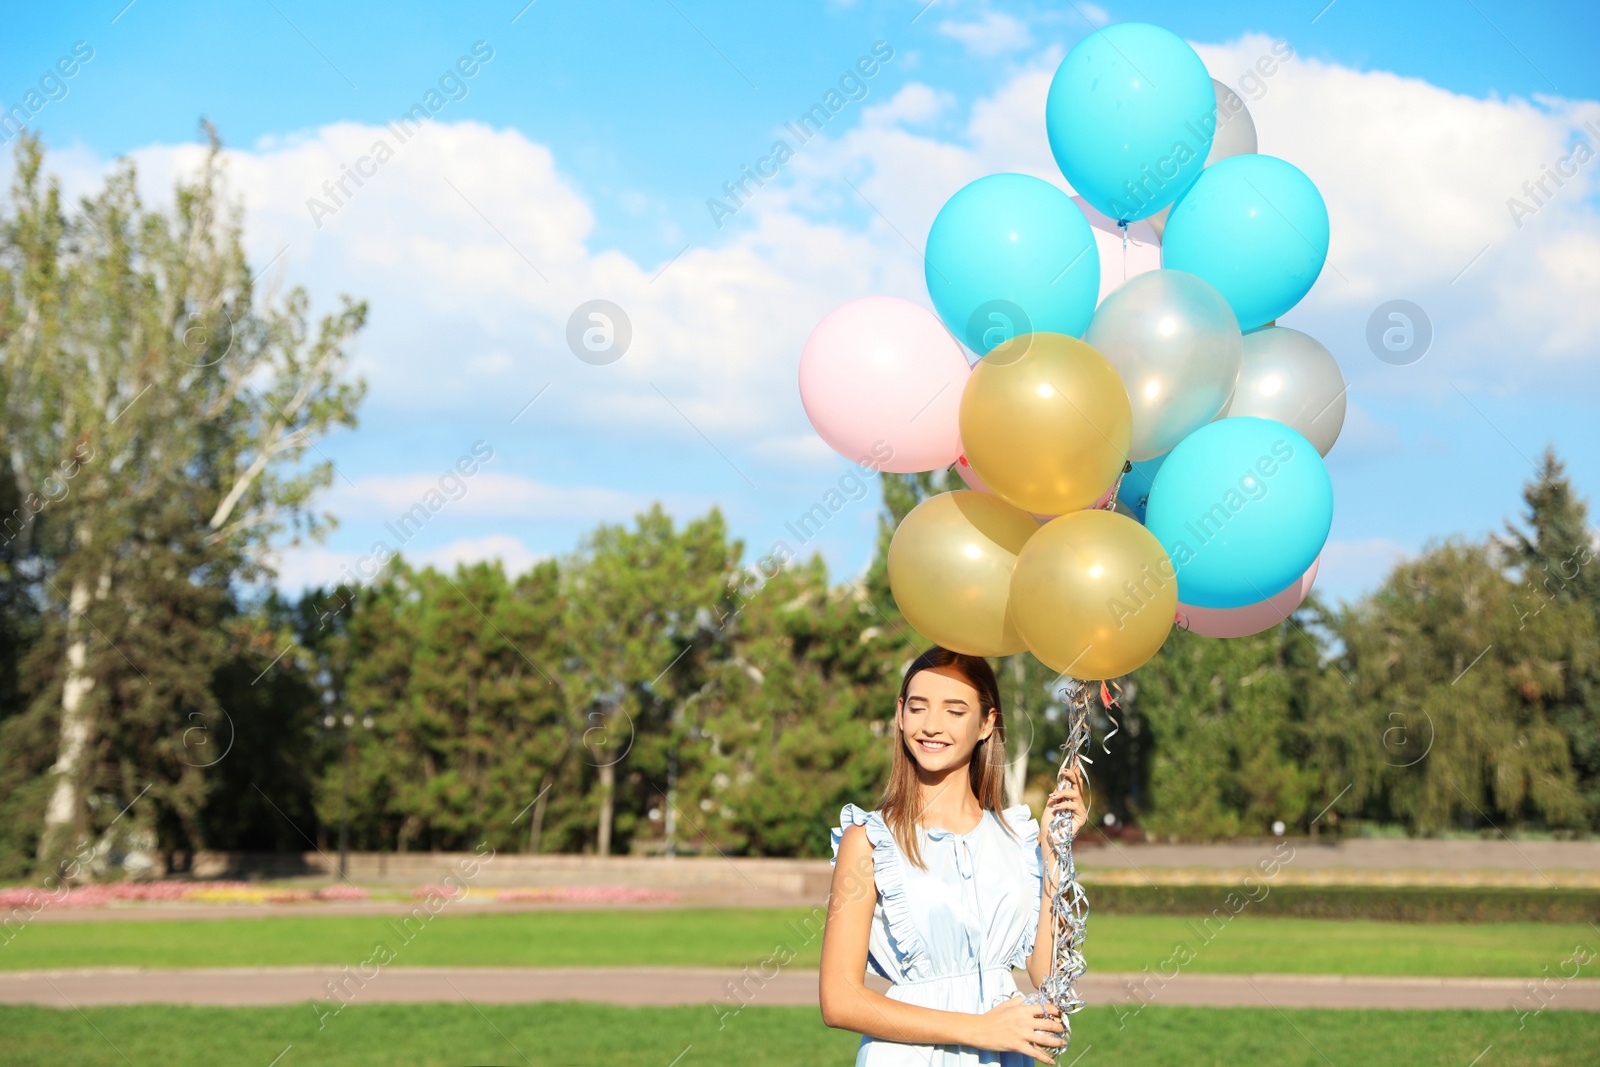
(847, 1003)
(1044, 939)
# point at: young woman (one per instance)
(942, 891)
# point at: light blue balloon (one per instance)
(1011, 254)
(1135, 488)
(1242, 506)
(1131, 115)
(1256, 228)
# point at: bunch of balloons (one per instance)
(1142, 444)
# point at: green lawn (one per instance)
(561, 1034)
(733, 937)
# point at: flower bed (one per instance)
(226, 892)
(448, 892)
(588, 894)
(100, 895)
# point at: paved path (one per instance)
(724, 988)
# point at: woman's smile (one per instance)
(930, 745)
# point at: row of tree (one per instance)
(650, 688)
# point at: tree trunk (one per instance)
(538, 823)
(608, 781)
(61, 825)
(1017, 768)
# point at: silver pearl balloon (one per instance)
(1176, 344)
(1236, 130)
(1235, 136)
(1291, 378)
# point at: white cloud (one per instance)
(912, 104)
(1349, 566)
(473, 250)
(474, 247)
(991, 34)
(512, 554)
(1094, 13)
(313, 566)
(486, 494)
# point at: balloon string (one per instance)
(1111, 502)
(1069, 906)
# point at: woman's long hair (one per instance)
(900, 806)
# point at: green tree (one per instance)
(1455, 689)
(1212, 721)
(456, 674)
(637, 603)
(797, 725)
(157, 417)
(1554, 563)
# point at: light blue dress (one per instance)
(948, 937)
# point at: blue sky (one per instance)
(577, 161)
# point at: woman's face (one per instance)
(941, 720)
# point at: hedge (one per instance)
(1443, 904)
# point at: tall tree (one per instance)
(1214, 732)
(636, 602)
(1554, 561)
(446, 717)
(1441, 654)
(157, 417)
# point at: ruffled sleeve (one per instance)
(849, 816)
(888, 871)
(1020, 818)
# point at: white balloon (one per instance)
(1236, 130)
(1291, 378)
(1235, 136)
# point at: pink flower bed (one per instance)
(35, 898)
(89, 896)
(341, 892)
(588, 894)
(230, 892)
(445, 891)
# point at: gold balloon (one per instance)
(1094, 594)
(950, 570)
(1046, 422)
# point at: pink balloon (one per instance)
(881, 380)
(1249, 618)
(1118, 264)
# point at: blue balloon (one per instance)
(1243, 506)
(1135, 488)
(1011, 254)
(1131, 115)
(1256, 228)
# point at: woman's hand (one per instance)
(1014, 1026)
(1069, 797)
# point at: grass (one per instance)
(563, 1034)
(733, 937)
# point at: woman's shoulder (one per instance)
(1024, 827)
(1020, 818)
(854, 815)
